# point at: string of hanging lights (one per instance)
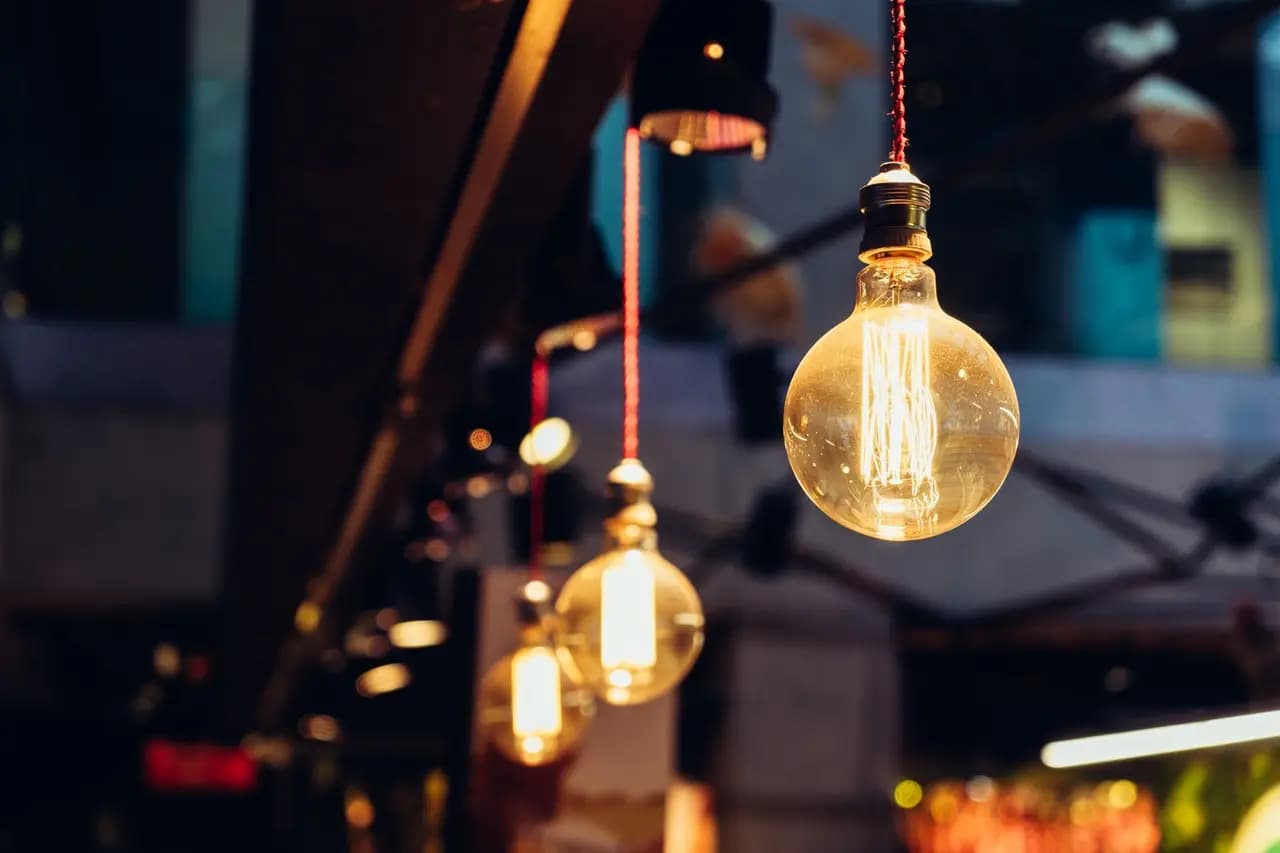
(915, 447)
(530, 708)
(901, 422)
(629, 623)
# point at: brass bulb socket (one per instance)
(894, 204)
(632, 520)
(535, 613)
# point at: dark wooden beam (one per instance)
(361, 119)
(567, 60)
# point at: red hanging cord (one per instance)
(898, 80)
(631, 295)
(538, 393)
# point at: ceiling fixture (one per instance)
(701, 80)
(630, 621)
(901, 422)
(1162, 740)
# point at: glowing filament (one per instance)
(628, 621)
(535, 698)
(898, 434)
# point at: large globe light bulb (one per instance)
(630, 622)
(530, 707)
(901, 422)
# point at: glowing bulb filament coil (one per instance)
(535, 698)
(898, 430)
(628, 626)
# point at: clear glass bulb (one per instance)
(630, 622)
(531, 708)
(550, 444)
(901, 422)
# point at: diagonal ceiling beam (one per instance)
(568, 59)
(360, 120)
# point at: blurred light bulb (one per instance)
(359, 810)
(628, 614)
(383, 679)
(550, 444)
(530, 707)
(417, 633)
(901, 422)
(320, 727)
(630, 622)
(535, 698)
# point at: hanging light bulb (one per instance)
(530, 708)
(550, 444)
(630, 622)
(901, 422)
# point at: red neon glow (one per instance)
(197, 767)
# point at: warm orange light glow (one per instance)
(585, 340)
(713, 50)
(702, 131)
(480, 439)
(437, 550)
(550, 444)
(537, 591)
(681, 147)
(359, 810)
(1028, 817)
(478, 486)
(320, 727)
(438, 511)
(383, 679)
(1122, 794)
(166, 659)
(363, 643)
(690, 819)
(307, 617)
(417, 634)
(628, 623)
(386, 617)
(536, 715)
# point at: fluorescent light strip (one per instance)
(1161, 740)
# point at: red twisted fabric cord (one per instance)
(898, 80)
(631, 295)
(538, 393)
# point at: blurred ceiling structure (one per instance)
(410, 207)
